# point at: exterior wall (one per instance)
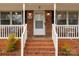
(74, 44)
(29, 25)
(48, 24)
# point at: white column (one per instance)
(56, 40)
(22, 46)
(0, 18)
(78, 18)
(78, 23)
(54, 13)
(11, 18)
(23, 13)
(67, 18)
(0, 24)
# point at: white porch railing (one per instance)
(54, 35)
(23, 38)
(5, 30)
(67, 31)
(24, 34)
(55, 39)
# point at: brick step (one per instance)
(39, 49)
(45, 40)
(39, 54)
(39, 45)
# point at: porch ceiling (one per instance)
(67, 6)
(39, 6)
(10, 6)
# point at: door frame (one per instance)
(43, 23)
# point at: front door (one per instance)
(39, 22)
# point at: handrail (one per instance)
(24, 34)
(55, 38)
(54, 34)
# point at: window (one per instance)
(70, 18)
(39, 24)
(5, 18)
(61, 18)
(17, 18)
(73, 18)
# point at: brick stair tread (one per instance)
(39, 54)
(44, 51)
(39, 40)
(38, 45)
(40, 49)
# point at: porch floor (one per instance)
(3, 47)
(39, 46)
(73, 45)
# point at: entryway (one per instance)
(39, 22)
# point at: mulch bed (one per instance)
(74, 44)
(14, 53)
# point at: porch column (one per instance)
(0, 18)
(67, 18)
(56, 40)
(78, 18)
(54, 13)
(22, 41)
(23, 13)
(11, 18)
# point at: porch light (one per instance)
(16, 13)
(48, 14)
(29, 15)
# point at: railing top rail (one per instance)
(67, 25)
(11, 25)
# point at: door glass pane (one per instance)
(17, 18)
(61, 18)
(39, 24)
(5, 18)
(73, 18)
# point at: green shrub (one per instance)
(65, 50)
(11, 43)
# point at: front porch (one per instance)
(67, 28)
(11, 22)
(39, 40)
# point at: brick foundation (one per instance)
(73, 44)
(14, 53)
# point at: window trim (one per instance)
(67, 17)
(21, 17)
(11, 17)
